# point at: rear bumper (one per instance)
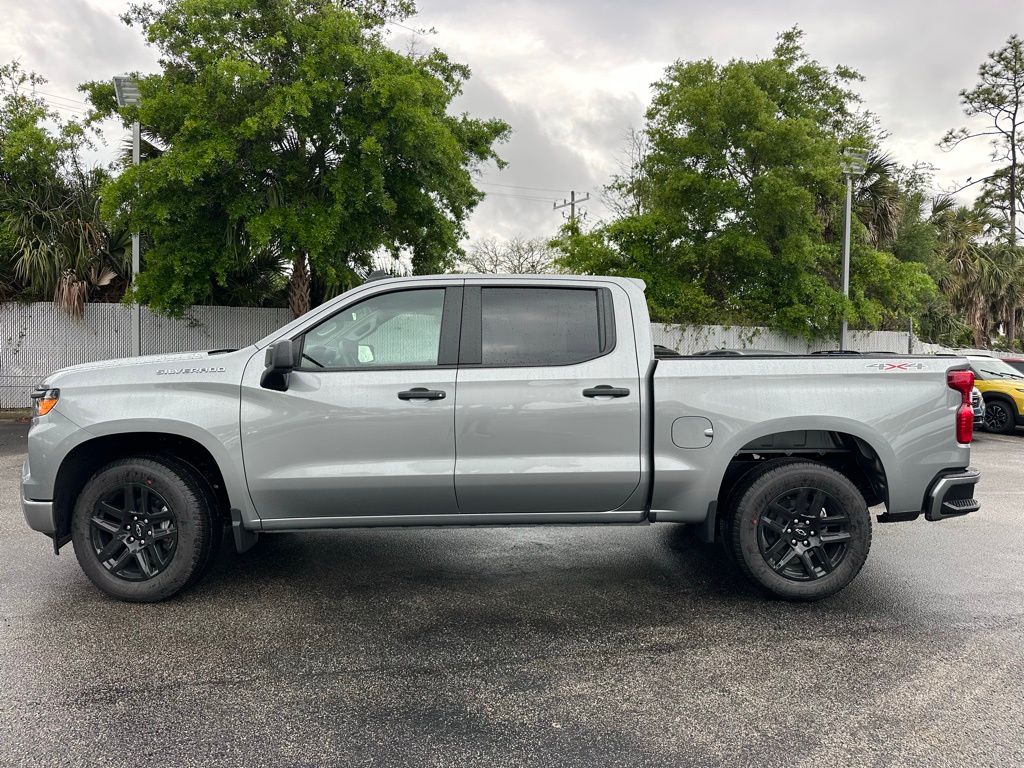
(952, 495)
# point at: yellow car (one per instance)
(1002, 386)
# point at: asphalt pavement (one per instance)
(588, 646)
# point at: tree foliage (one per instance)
(998, 98)
(53, 243)
(290, 131)
(732, 212)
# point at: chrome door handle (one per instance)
(606, 390)
(422, 393)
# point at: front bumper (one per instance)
(39, 515)
(952, 495)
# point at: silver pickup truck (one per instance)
(495, 400)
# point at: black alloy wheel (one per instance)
(999, 417)
(134, 532)
(803, 534)
(145, 527)
(798, 529)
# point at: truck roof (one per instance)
(505, 276)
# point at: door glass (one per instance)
(538, 326)
(391, 330)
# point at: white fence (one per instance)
(36, 339)
(688, 339)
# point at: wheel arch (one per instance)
(1004, 397)
(852, 455)
(86, 458)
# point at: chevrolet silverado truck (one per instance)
(492, 400)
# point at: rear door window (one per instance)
(543, 326)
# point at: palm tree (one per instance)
(879, 200)
(62, 249)
(1007, 287)
(973, 274)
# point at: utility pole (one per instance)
(854, 162)
(127, 91)
(846, 257)
(571, 205)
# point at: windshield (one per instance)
(990, 370)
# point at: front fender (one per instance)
(221, 441)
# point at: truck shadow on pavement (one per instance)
(425, 584)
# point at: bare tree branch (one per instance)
(517, 256)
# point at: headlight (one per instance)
(43, 401)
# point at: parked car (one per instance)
(741, 353)
(661, 352)
(853, 352)
(1002, 387)
(509, 400)
(978, 407)
(1015, 362)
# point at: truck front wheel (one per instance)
(800, 530)
(143, 528)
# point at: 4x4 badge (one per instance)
(896, 366)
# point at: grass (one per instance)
(15, 414)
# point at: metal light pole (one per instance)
(855, 162)
(127, 91)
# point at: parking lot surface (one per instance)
(614, 646)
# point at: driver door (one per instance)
(366, 426)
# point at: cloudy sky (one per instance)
(573, 77)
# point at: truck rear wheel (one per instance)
(143, 528)
(800, 530)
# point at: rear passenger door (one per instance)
(547, 417)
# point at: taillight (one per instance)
(963, 382)
(964, 424)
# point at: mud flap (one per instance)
(244, 538)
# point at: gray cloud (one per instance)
(571, 78)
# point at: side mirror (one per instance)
(280, 362)
(365, 353)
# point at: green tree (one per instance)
(998, 98)
(734, 211)
(290, 131)
(53, 242)
(971, 273)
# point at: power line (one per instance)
(62, 98)
(62, 107)
(519, 197)
(515, 186)
(407, 29)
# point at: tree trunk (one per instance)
(1011, 328)
(298, 286)
(976, 317)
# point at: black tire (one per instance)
(735, 493)
(785, 503)
(131, 491)
(219, 515)
(1000, 416)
